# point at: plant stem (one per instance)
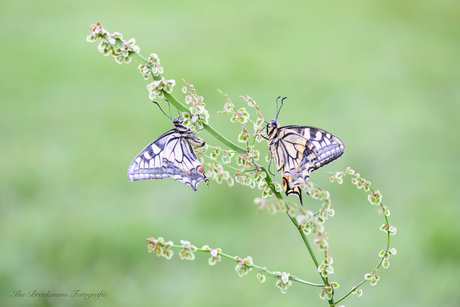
(139, 58)
(208, 128)
(269, 273)
(296, 224)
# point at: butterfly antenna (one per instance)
(278, 110)
(169, 107)
(276, 113)
(162, 110)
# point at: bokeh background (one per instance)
(384, 76)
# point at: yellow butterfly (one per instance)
(299, 150)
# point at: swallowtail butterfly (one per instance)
(299, 150)
(170, 155)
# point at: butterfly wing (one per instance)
(299, 150)
(170, 155)
(321, 147)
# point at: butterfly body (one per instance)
(170, 155)
(299, 150)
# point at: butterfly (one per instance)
(299, 150)
(170, 155)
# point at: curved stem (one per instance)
(296, 224)
(269, 273)
(139, 58)
(376, 268)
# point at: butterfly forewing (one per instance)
(170, 155)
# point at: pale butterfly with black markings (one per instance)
(170, 155)
(299, 150)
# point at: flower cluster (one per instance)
(216, 172)
(315, 226)
(249, 174)
(328, 290)
(244, 265)
(152, 66)
(257, 177)
(321, 237)
(385, 254)
(160, 247)
(257, 125)
(326, 211)
(158, 87)
(229, 107)
(227, 156)
(273, 205)
(355, 179)
(304, 217)
(388, 228)
(242, 116)
(374, 278)
(188, 250)
(375, 198)
(284, 282)
(383, 210)
(243, 137)
(215, 153)
(215, 254)
(113, 44)
(249, 159)
(260, 276)
(326, 267)
(358, 291)
(198, 116)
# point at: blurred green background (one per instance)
(384, 76)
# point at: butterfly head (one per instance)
(272, 128)
(177, 122)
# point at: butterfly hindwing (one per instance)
(299, 150)
(170, 155)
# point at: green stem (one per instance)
(208, 128)
(136, 56)
(378, 265)
(259, 268)
(310, 250)
(139, 58)
(296, 224)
